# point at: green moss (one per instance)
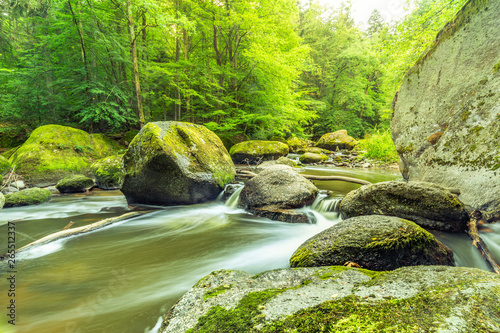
(406, 150)
(301, 257)
(4, 165)
(242, 318)
(216, 291)
(74, 183)
(107, 171)
(31, 196)
(465, 115)
(476, 129)
(313, 158)
(411, 236)
(496, 67)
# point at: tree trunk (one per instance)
(133, 51)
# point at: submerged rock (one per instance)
(254, 152)
(409, 299)
(30, 196)
(278, 186)
(53, 152)
(446, 121)
(175, 163)
(336, 140)
(313, 158)
(429, 205)
(107, 172)
(374, 242)
(74, 184)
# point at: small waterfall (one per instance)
(325, 204)
(234, 199)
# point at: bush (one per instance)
(379, 146)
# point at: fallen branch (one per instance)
(80, 230)
(249, 174)
(478, 242)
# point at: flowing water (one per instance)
(123, 277)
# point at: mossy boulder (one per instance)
(74, 184)
(4, 165)
(30, 196)
(107, 172)
(295, 144)
(373, 242)
(2, 200)
(340, 299)
(337, 140)
(312, 158)
(175, 163)
(53, 152)
(278, 186)
(256, 151)
(429, 205)
(313, 150)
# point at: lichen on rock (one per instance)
(174, 163)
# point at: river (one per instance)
(124, 277)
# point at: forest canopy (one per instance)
(253, 69)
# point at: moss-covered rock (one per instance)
(283, 215)
(429, 205)
(4, 165)
(340, 299)
(256, 151)
(53, 151)
(175, 163)
(128, 137)
(337, 140)
(74, 184)
(295, 144)
(107, 172)
(282, 160)
(374, 242)
(279, 186)
(2, 200)
(313, 150)
(312, 158)
(30, 196)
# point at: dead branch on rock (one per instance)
(478, 242)
(249, 174)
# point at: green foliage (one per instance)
(379, 146)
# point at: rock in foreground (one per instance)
(31, 196)
(373, 242)
(254, 152)
(340, 299)
(175, 163)
(429, 205)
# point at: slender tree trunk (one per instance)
(133, 51)
(177, 115)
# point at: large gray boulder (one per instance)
(279, 186)
(446, 122)
(340, 299)
(373, 242)
(175, 163)
(429, 205)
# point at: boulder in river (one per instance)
(108, 172)
(74, 184)
(279, 186)
(336, 140)
(429, 205)
(175, 163)
(313, 158)
(30, 196)
(256, 151)
(446, 120)
(340, 299)
(373, 242)
(53, 152)
(295, 144)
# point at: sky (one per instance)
(362, 9)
